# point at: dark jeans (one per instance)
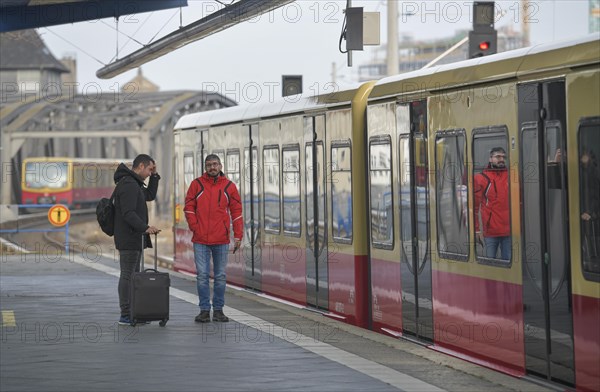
(130, 262)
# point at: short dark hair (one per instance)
(142, 159)
(497, 149)
(212, 157)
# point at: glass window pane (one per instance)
(341, 193)
(233, 167)
(380, 175)
(188, 170)
(491, 207)
(271, 189)
(40, 175)
(451, 196)
(589, 196)
(291, 192)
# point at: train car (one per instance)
(363, 205)
(74, 182)
(534, 308)
(292, 162)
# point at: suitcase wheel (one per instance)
(162, 323)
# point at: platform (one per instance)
(60, 333)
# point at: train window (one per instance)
(271, 189)
(40, 175)
(451, 195)
(380, 176)
(220, 154)
(233, 166)
(188, 169)
(491, 201)
(291, 191)
(341, 192)
(589, 196)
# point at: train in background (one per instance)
(360, 203)
(74, 182)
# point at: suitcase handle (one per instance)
(151, 270)
(156, 252)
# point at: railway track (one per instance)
(34, 234)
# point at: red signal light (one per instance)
(485, 45)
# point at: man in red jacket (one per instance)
(492, 201)
(211, 205)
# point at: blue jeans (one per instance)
(202, 254)
(493, 243)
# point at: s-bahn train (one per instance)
(74, 182)
(361, 203)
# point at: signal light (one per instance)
(482, 43)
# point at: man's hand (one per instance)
(237, 245)
(152, 230)
(480, 238)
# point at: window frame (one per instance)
(284, 149)
(483, 133)
(584, 122)
(264, 176)
(382, 140)
(456, 132)
(341, 144)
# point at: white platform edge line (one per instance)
(372, 369)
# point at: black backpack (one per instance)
(105, 214)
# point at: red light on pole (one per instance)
(484, 45)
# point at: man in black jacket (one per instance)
(131, 221)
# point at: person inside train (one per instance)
(211, 203)
(590, 209)
(132, 231)
(491, 206)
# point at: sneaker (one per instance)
(220, 317)
(203, 317)
(124, 320)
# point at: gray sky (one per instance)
(245, 61)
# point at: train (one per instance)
(74, 182)
(360, 204)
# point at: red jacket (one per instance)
(491, 199)
(208, 206)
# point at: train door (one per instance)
(316, 222)
(548, 317)
(251, 209)
(417, 312)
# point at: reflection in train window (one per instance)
(341, 193)
(291, 191)
(491, 206)
(271, 189)
(380, 181)
(451, 195)
(589, 197)
(233, 166)
(188, 169)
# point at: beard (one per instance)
(500, 165)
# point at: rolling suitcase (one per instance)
(149, 296)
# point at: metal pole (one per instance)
(392, 44)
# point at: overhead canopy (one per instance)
(28, 14)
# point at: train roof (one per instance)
(82, 161)
(514, 64)
(301, 103)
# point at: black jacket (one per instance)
(131, 212)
